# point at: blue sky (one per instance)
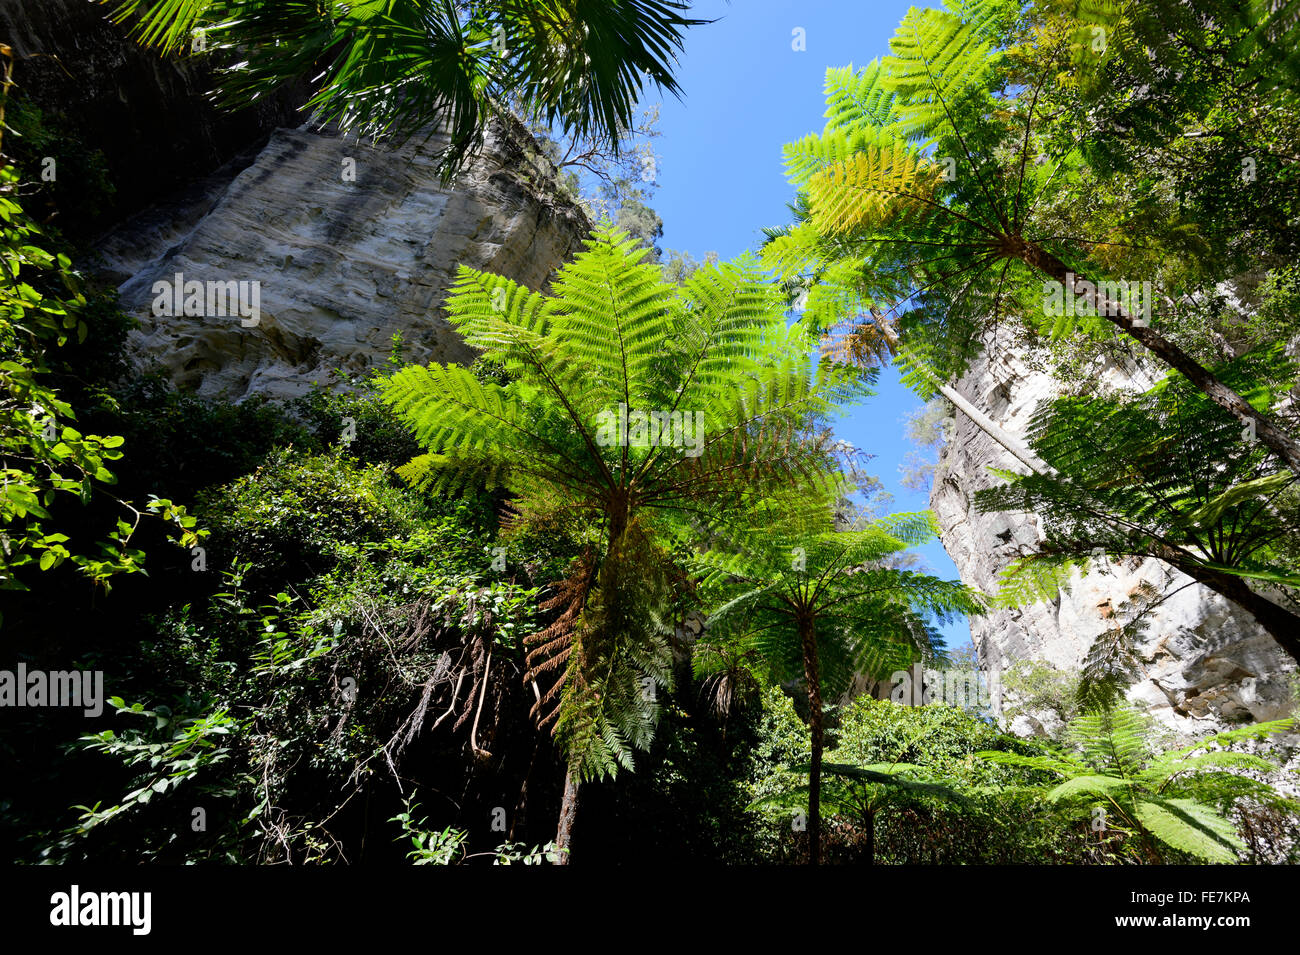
(748, 92)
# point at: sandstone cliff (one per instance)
(343, 243)
(1206, 662)
(347, 244)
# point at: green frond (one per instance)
(938, 60)
(801, 249)
(1092, 785)
(1112, 740)
(1190, 827)
(892, 775)
(1255, 731)
(380, 67)
(611, 309)
(1167, 765)
(1213, 510)
(450, 409)
(1163, 473)
(878, 187)
(866, 617)
(1062, 765)
(1036, 578)
(919, 527)
(725, 309)
(1172, 796)
(858, 98)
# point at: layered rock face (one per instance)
(333, 247)
(1206, 663)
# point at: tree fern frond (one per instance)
(938, 59)
(1254, 731)
(1190, 827)
(878, 187)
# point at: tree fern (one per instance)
(728, 410)
(949, 194)
(798, 599)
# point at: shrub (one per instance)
(910, 825)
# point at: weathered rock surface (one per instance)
(1206, 663)
(347, 244)
(342, 256)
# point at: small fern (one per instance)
(1179, 798)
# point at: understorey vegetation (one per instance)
(614, 591)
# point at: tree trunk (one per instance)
(568, 813)
(1281, 624)
(978, 418)
(808, 636)
(871, 838)
(1273, 437)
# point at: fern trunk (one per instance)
(1272, 437)
(1281, 624)
(816, 729)
(617, 514)
(568, 813)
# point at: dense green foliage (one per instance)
(1036, 164)
(931, 800)
(410, 615)
(47, 459)
(395, 66)
(1177, 797)
(933, 784)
